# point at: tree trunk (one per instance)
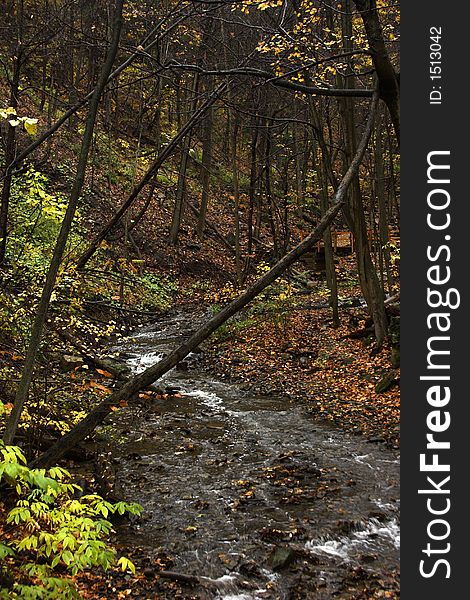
(268, 187)
(10, 150)
(236, 199)
(43, 307)
(384, 250)
(129, 390)
(326, 173)
(206, 169)
(388, 80)
(370, 284)
(252, 196)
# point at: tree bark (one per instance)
(129, 390)
(369, 281)
(181, 189)
(205, 170)
(388, 81)
(10, 150)
(326, 174)
(236, 198)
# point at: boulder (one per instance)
(386, 382)
(281, 557)
(69, 362)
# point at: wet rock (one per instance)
(379, 515)
(149, 573)
(250, 567)
(386, 382)
(69, 362)
(172, 391)
(115, 367)
(281, 558)
(348, 526)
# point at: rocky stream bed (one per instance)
(247, 493)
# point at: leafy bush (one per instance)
(56, 531)
(36, 215)
(157, 291)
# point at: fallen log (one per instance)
(133, 386)
(183, 577)
(118, 370)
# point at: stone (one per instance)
(68, 362)
(385, 383)
(281, 558)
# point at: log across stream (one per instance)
(248, 493)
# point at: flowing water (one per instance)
(248, 492)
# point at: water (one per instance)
(228, 480)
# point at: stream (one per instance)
(248, 492)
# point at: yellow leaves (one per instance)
(242, 482)
(6, 112)
(126, 565)
(29, 124)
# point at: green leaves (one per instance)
(5, 551)
(60, 531)
(126, 564)
(12, 454)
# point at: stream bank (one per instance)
(246, 491)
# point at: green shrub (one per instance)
(55, 532)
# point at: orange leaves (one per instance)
(95, 386)
(99, 386)
(10, 355)
(104, 373)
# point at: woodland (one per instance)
(226, 172)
